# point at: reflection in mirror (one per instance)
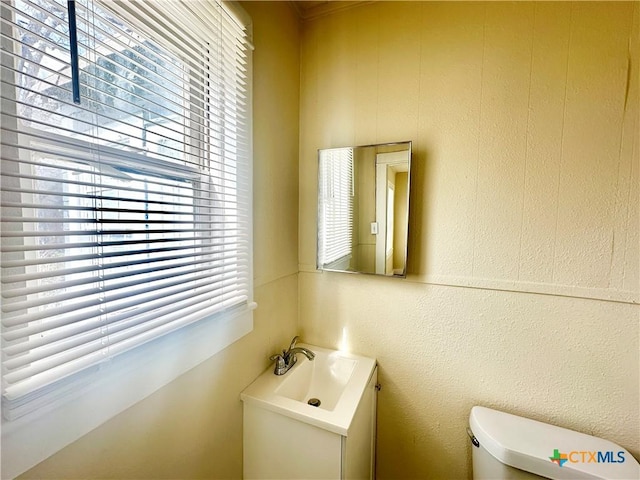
(363, 209)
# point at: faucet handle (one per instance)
(293, 342)
(280, 366)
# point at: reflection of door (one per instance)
(387, 165)
(381, 215)
(388, 268)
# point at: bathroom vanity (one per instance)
(316, 421)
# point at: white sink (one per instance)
(337, 379)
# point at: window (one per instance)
(127, 216)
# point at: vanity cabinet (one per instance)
(282, 446)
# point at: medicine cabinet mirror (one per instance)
(363, 209)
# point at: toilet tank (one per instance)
(509, 447)
(487, 467)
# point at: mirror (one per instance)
(363, 209)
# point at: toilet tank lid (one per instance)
(540, 448)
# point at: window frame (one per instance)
(105, 390)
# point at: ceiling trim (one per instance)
(308, 10)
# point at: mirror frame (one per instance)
(322, 185)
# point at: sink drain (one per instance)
(314, 402)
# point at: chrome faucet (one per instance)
(288, 358)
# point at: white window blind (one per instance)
(127, 216)
(335, 233)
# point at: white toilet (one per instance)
(510, 447)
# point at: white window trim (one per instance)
(128, 378)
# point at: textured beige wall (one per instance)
(192, 428)
(524, 117)
(524, 270)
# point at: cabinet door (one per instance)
(358, 447)
(279, 447)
